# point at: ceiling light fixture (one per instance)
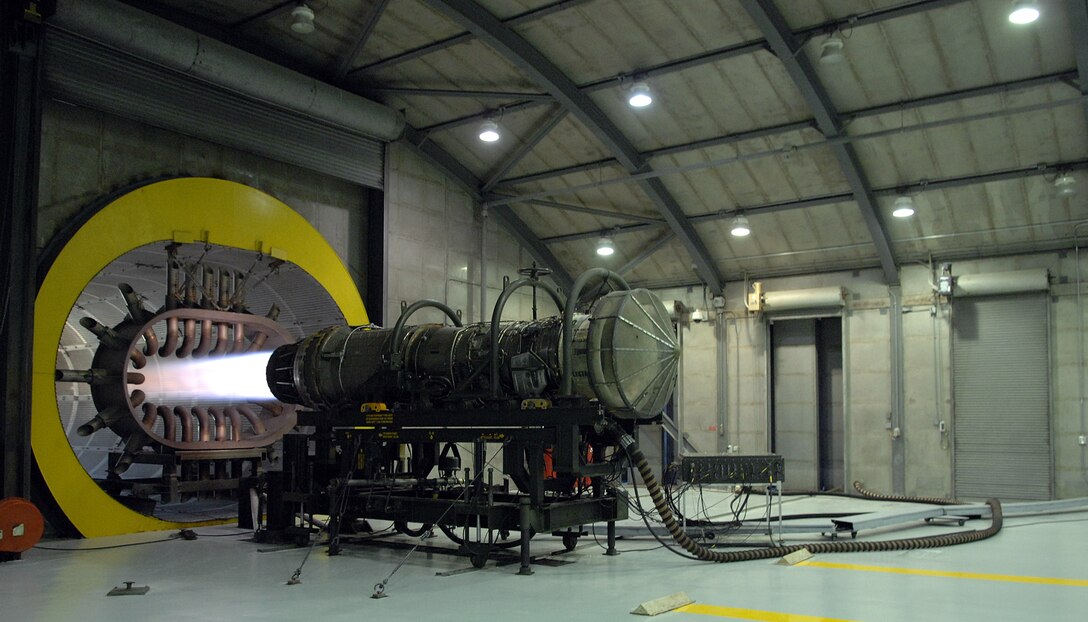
(1065, 185)
(831, 50)
(903, 207)
(605, 247)
(740, 226)
(1024, 12)
(302, 19)
(639, 95)
(489, 131)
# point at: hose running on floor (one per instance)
(704, 554)
(868, 494)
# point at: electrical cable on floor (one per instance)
(593, 531)
(628, 443)
(184, 534)
(379, 588)
(645, 516)
(176, 536)
(104, 548)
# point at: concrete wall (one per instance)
(868, 375)
(86, 154)
(433, 246)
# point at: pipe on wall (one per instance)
(818, 297)
(721, 382)
(1080, 354)
(141, 34)
(995, 283)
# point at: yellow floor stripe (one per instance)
(952, 575)
(752, 614)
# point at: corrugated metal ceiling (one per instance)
(714, 77)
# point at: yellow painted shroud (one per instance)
(182, 210)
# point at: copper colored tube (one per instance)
(138, 359)
(222, 338)
(136, 398)
(169, 427)
(205, 423)
(273, 407)
(258, 342)
(185, 416)
(150, 412)
(239, 339)
(235, 423)
(171, 337)
(188, 344)
(151, 342)
(253, 419)
(220, 423)
(206, 343)
(135, 378)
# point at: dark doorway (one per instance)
(807, 402)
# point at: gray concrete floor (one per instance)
(224, 576)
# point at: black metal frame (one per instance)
(353, 472)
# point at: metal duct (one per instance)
(81, 71)
(996, 283)
(815, 298)
(130, 30)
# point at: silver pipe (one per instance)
(483, 263)
(1080, 353)
(723, 379)
(141, 34)
(898, 450)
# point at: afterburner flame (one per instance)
(238, 377)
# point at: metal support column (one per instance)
(896, 419)
(525, 519)
(611, 550)
(21, 32)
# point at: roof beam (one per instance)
(727, 139)
(782, 41)
(595, 211)
(525, 148)
(360, 41)
(518, 106)
(534, 64)
(521, 232)
(1078, 21)
(844, 197)
(955, 96)
(410, 92)
(274, 10)
(842, 139)
(521, 18)
(740, 49)
(596, 233)
(646, 253)
(705, 143)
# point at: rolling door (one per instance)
(1001, 392)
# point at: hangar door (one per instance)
(1001, 393)
(807, 402)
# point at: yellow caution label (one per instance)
(535, 404)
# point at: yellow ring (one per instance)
(183, 210)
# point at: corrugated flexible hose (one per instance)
(868, 494)
(702, 553)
